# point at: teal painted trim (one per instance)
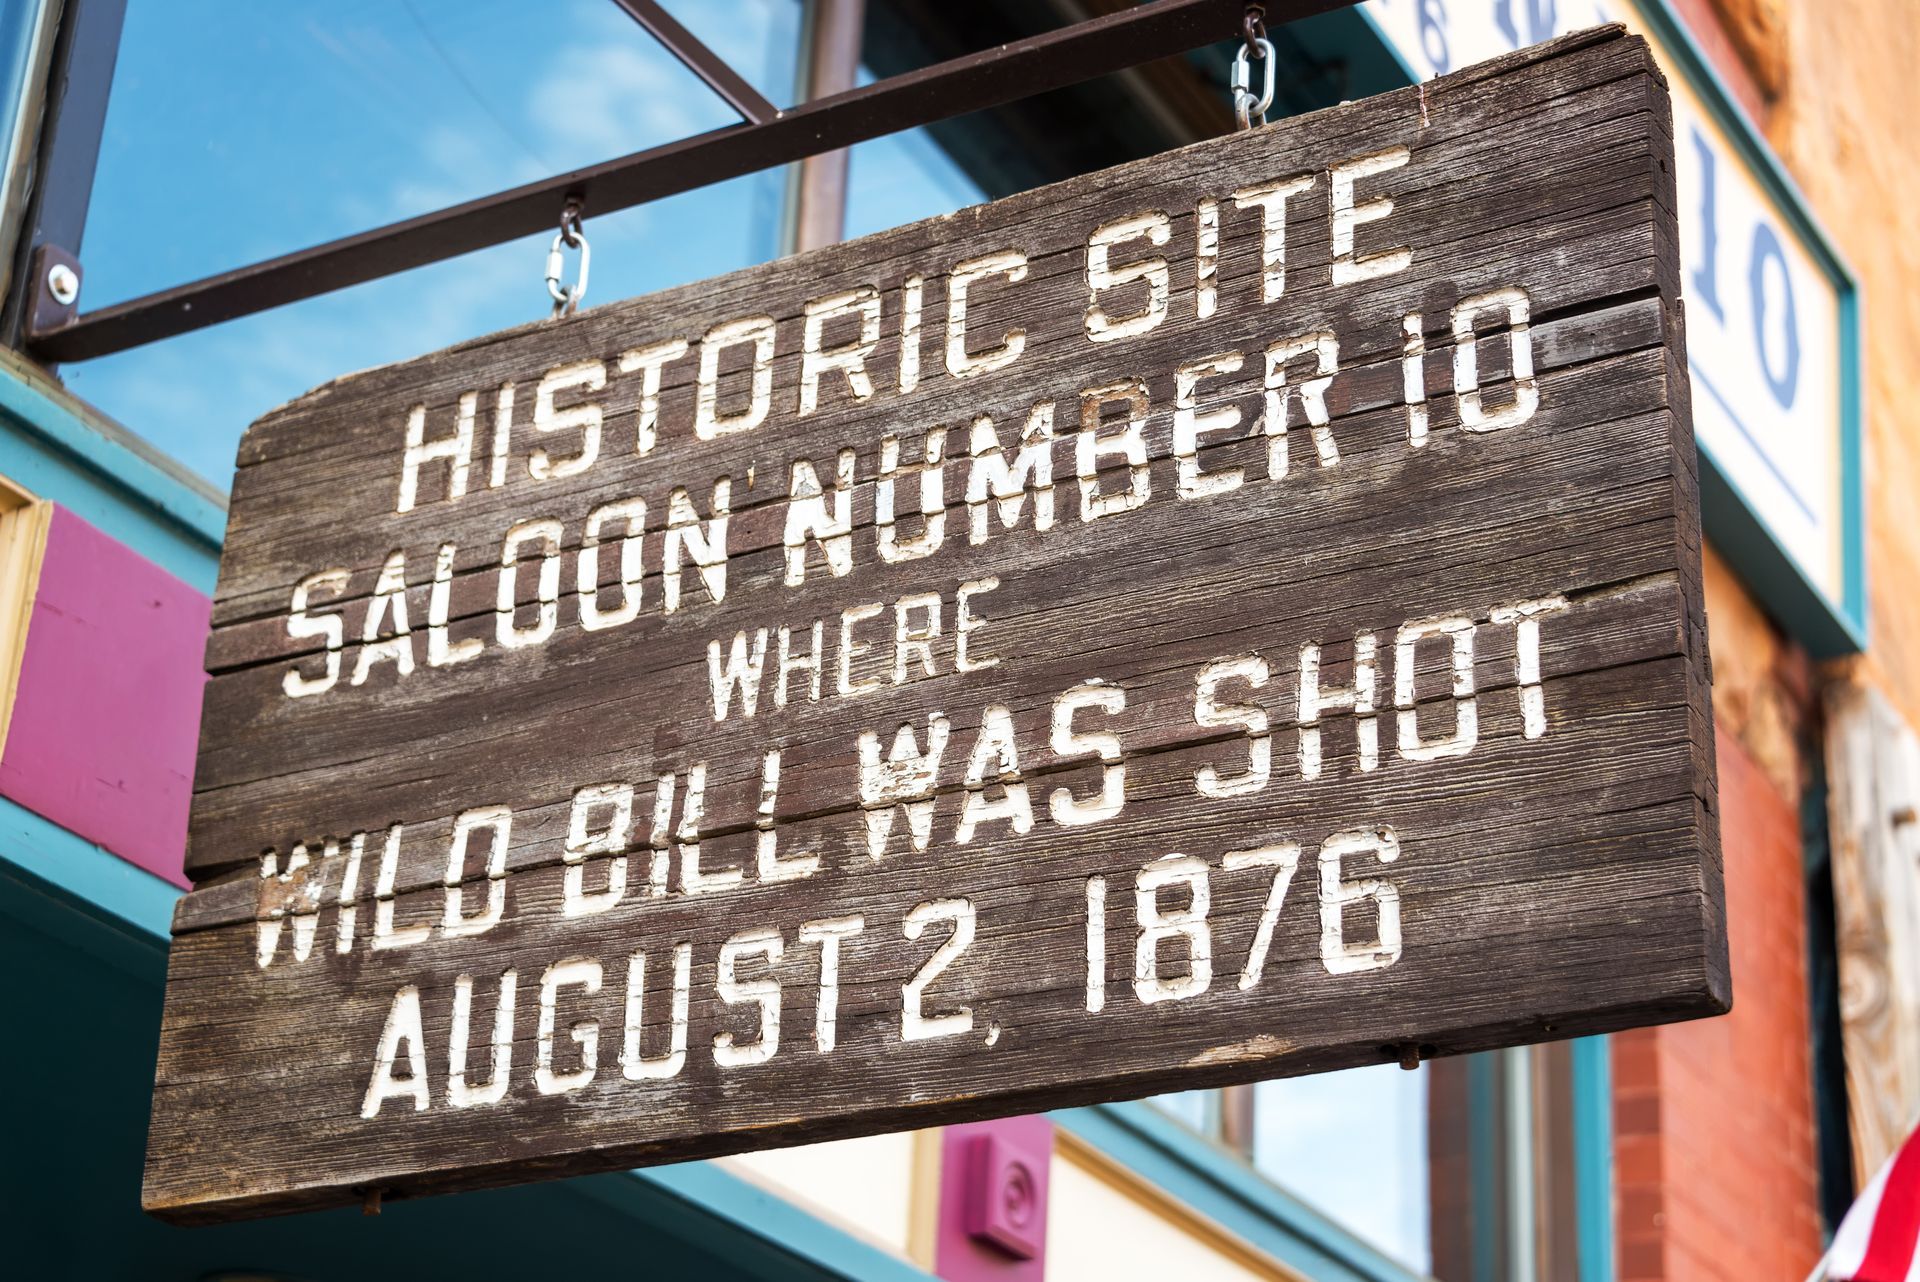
(761, 1226)
(1350, 38)
(1485, 1200)
(1783, 588)
(66, 887)
(125, 895)
(110, 481)
(1229, 1192)
(1853, 498)
(1592, 1071)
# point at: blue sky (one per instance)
(236, 132)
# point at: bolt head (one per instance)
(64, 284)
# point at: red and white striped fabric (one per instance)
(1877, 1240)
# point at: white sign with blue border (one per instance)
(1772, 323)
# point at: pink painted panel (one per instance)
(108, 711)
(993, 1201)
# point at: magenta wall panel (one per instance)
(993, 1201)
(108, 710)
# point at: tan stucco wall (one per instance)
(1762, 696)
(1089, 1197)
(865, 1186)
(1845, 124)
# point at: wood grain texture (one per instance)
(1873, 804)
(1558, 875)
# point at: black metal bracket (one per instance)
(1073, 54)
(52, 290)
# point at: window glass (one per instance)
(194, 395)
(759, 39)
(239, 131)
(1355, 1145)
(307, 122)
(20, 38)
(902, 178)
(1198, 1109)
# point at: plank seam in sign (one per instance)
(1233, 615)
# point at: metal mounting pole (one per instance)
(833, 65)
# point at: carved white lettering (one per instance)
(1128, 443)
(728, 1050)
(915, 1024)
(708, 421)
(1209, 711)
(403, 1034)
(584, 842)
(1272, 200)
(498, 821)
(652, 362)
(1358, 698)
(1103, 327)
(962, 363)
(583, 417)
(994, 483)
(1325, 350)
(549, 534)
(1349, 267)
(301, 627)
(1189, 423)
(1069, 744)
(850, 358)
(1474, 416)
(574, 972)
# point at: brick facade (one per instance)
(1713, 1139)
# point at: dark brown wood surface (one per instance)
(1559, 877)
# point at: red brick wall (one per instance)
(1713, 1120)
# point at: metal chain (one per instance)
(1253, 25)
(1248, 110)
(567, 301)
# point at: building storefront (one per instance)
(191, 139)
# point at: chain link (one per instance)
(1249, 110)
(566, 300)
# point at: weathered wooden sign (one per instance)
(1233, 615)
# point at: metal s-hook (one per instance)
(570, 236)
(1248, 110)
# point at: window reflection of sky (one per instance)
(305, 122)
(1355, 1145)
(902, 178)
(298, 125)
